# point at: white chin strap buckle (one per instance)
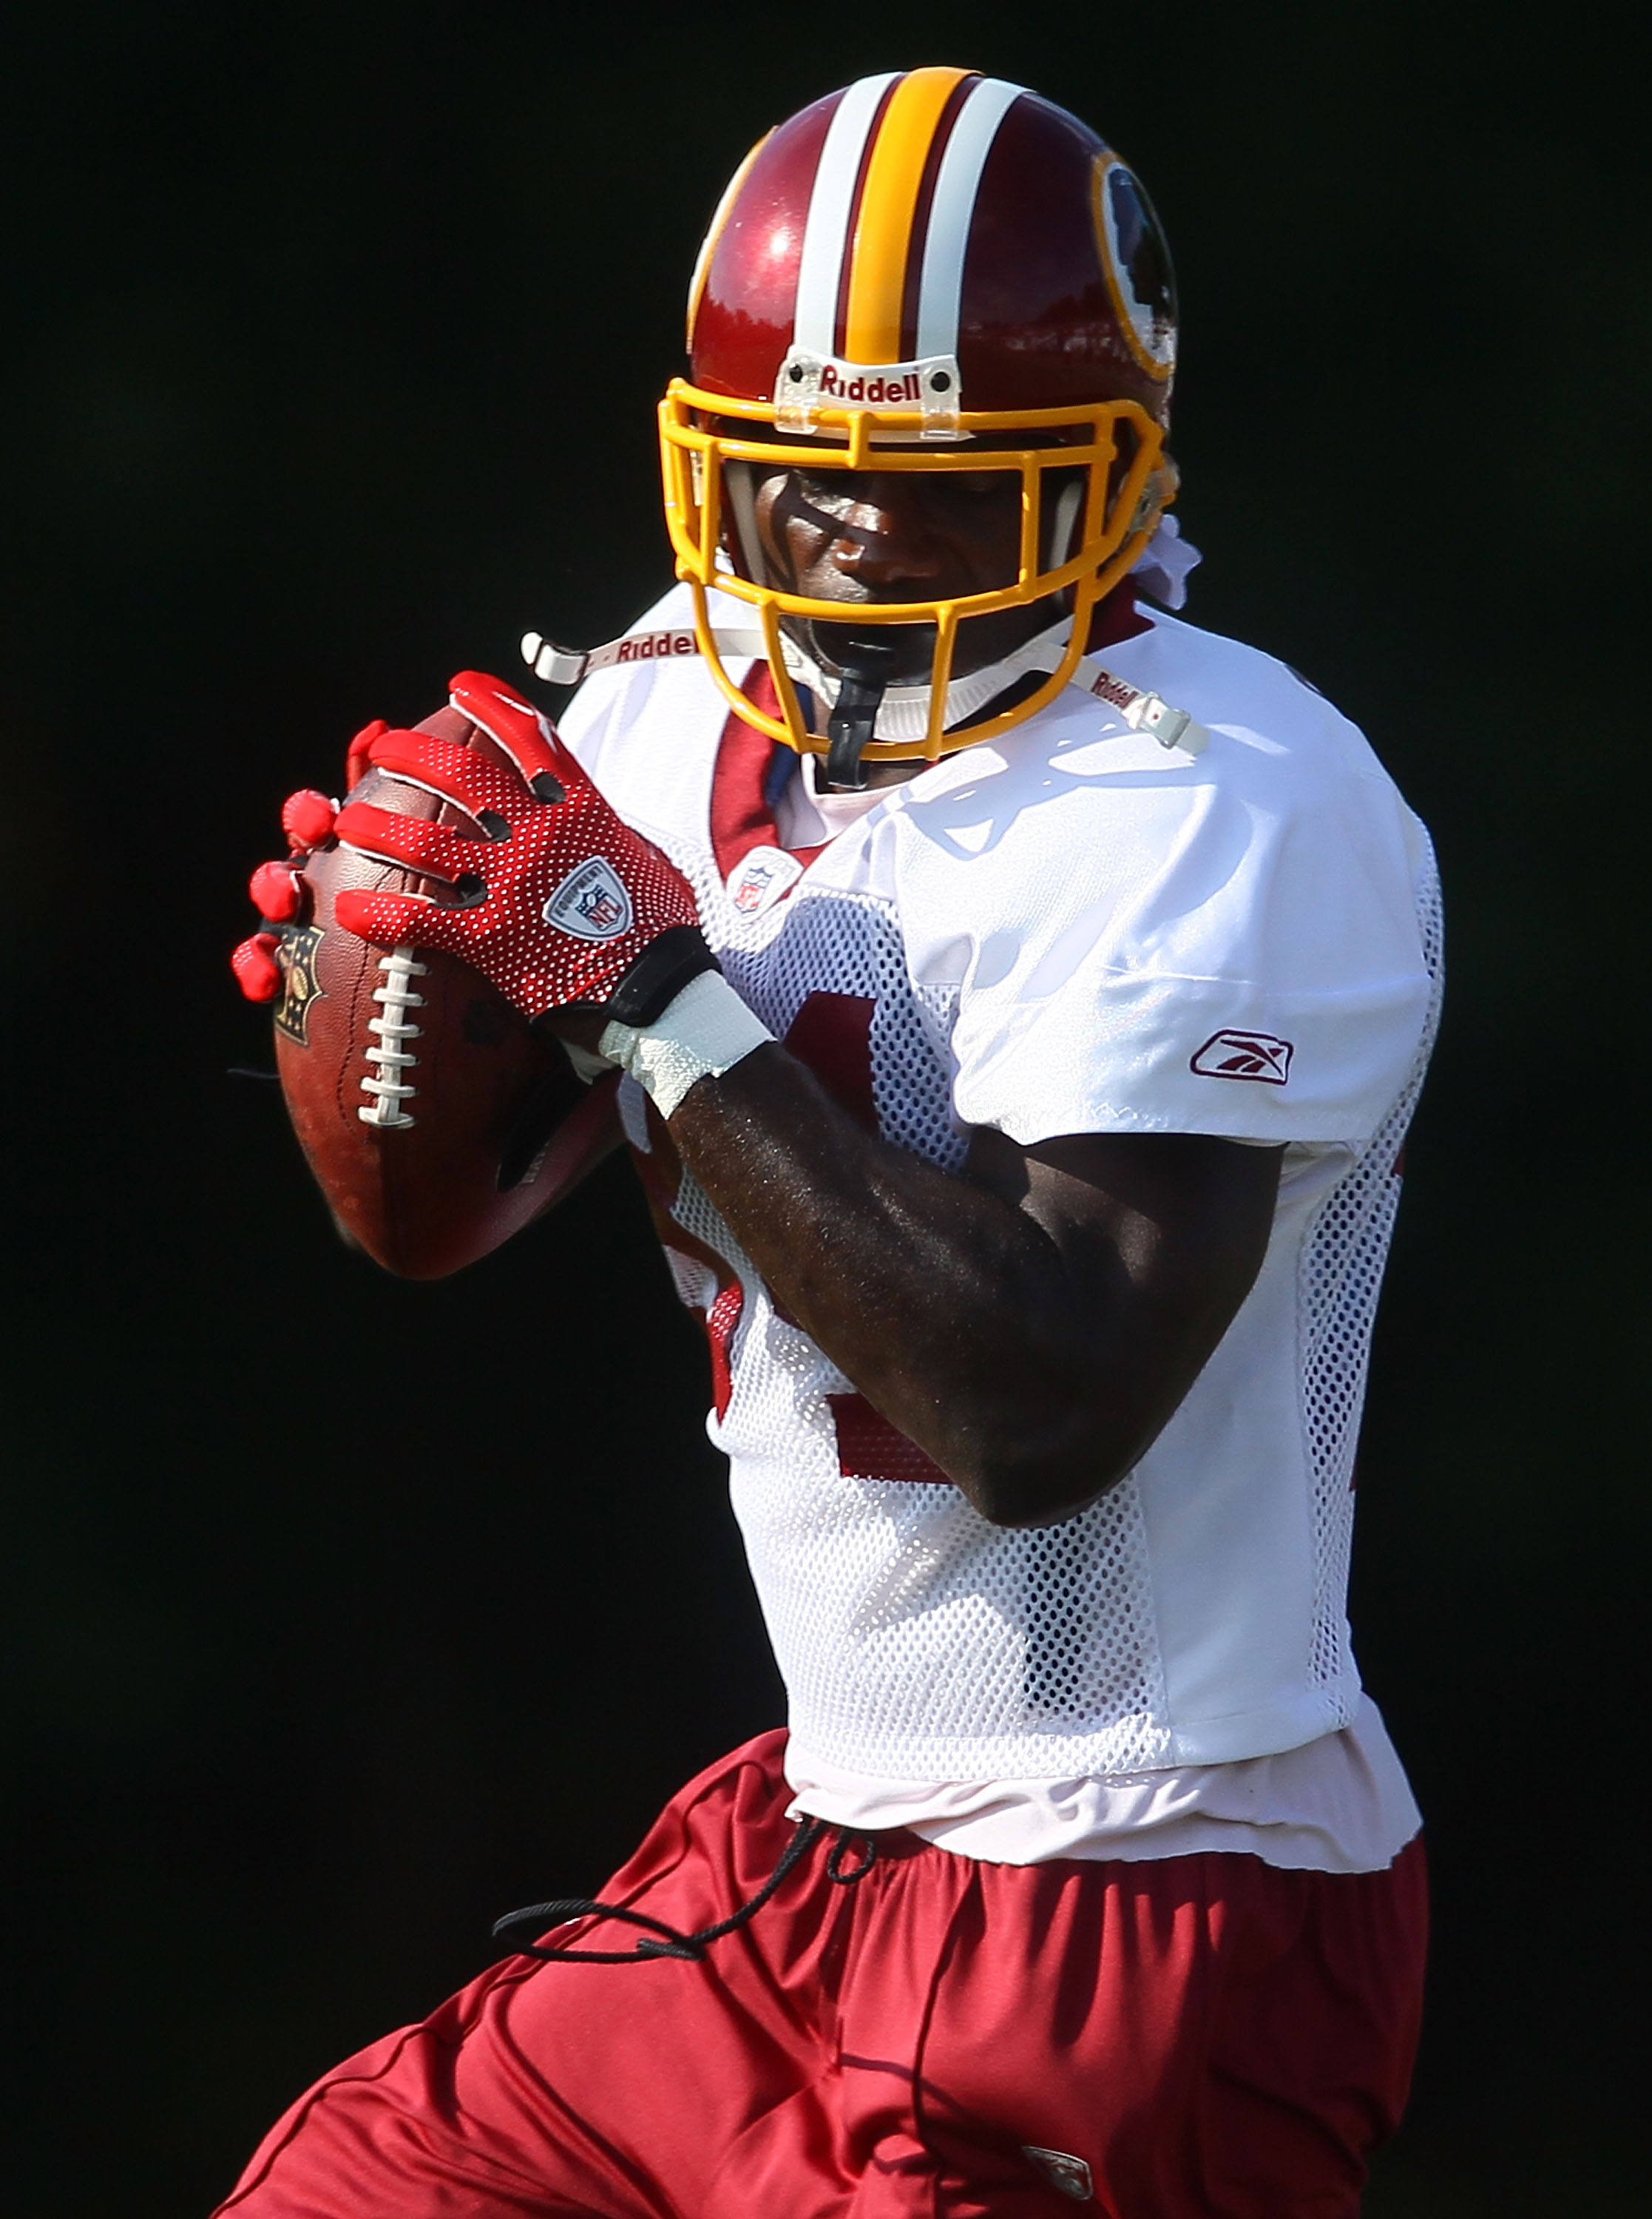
(1146, 713)
(568, 666)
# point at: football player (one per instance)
(1021, 997)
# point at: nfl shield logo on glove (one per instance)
(591, 903)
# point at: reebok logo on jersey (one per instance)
(1071, 2175)
(591, 903)
(1245, 1055)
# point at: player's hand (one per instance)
(278, 890)
(553, 899)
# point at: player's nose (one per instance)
(885, 537)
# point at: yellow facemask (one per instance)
(701, 433)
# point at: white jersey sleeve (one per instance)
(1142, 941)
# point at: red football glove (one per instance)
(307, 819)
(557, 902)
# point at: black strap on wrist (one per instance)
(659, 975)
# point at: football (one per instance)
(436, 1122)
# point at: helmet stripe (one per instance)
(952, 210)
(883, 229)
(826, 233)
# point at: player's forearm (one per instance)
(949, 1307)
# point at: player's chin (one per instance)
(901, 654)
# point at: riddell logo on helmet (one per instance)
(877, 391)
(928, 387)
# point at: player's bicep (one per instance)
(1160, 1236)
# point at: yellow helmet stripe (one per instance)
(882, 243)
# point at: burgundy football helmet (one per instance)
(928, 271)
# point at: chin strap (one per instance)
(854, 718)
(904, 710)
(863, 706)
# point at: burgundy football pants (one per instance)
(1203, 2037)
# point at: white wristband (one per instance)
(588, 1068)
(704, 1032)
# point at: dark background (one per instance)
(344, 1613)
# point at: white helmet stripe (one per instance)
(825, 238)
(950, 212)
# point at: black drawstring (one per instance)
(539, 1917)
(835, 1863)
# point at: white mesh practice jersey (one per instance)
(1072, 929)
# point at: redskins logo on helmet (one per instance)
(928, 271)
